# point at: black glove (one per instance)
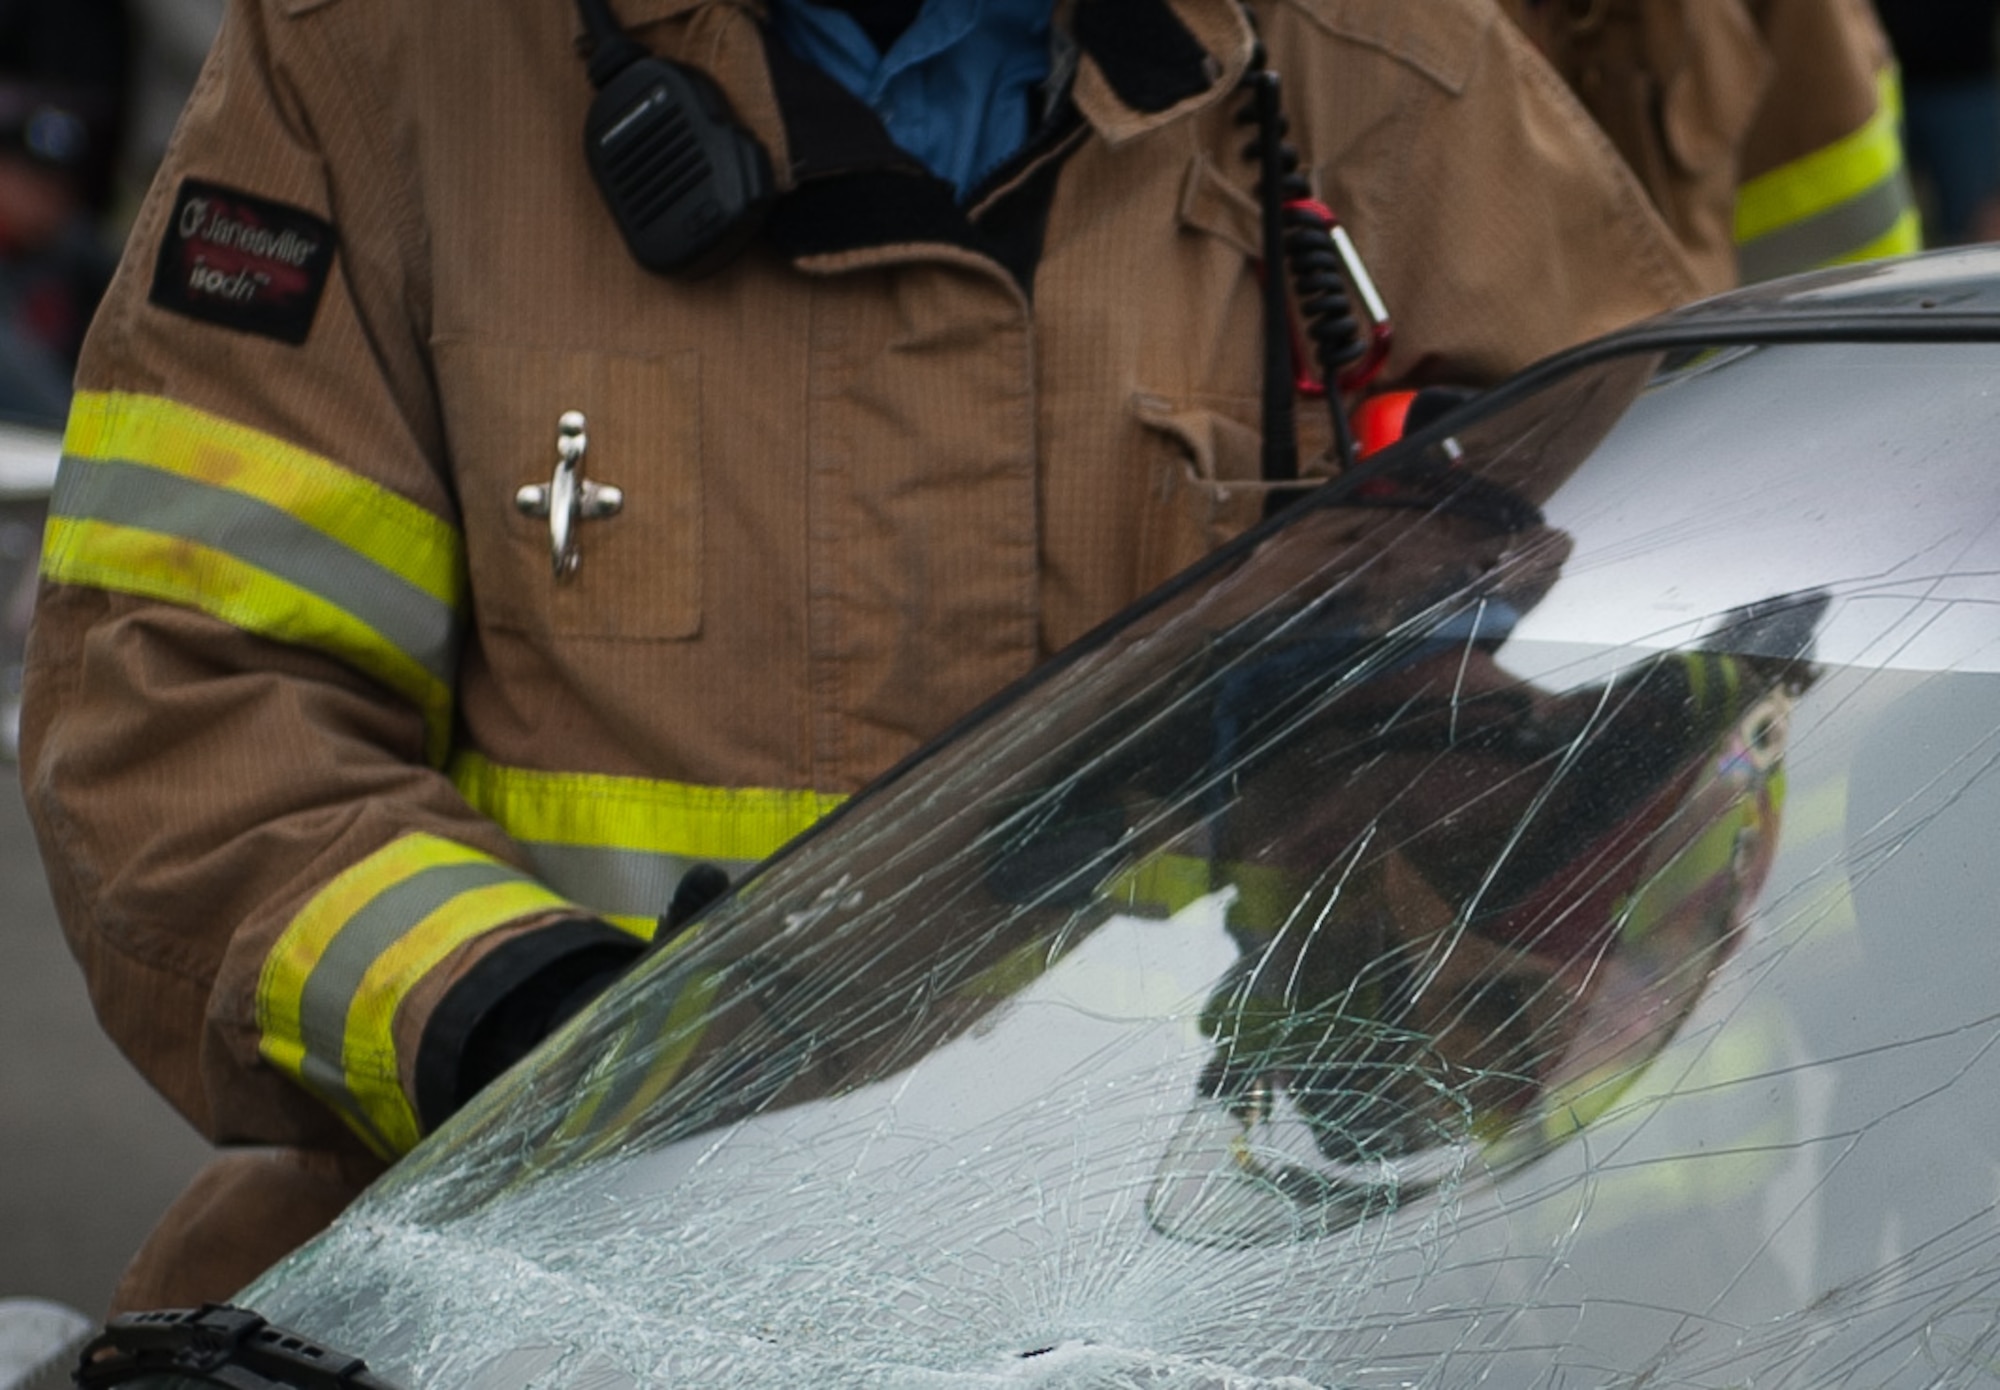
(542, 980)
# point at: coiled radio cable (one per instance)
(1302, 235)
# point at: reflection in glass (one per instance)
(1470, 909)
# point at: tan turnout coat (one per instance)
(299, 651)
(1711, 99)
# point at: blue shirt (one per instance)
(954, 90)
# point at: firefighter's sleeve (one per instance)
(240, 684)
(1824, 179)
(1502, 224)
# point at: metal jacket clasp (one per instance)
(569, 499)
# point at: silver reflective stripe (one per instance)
(329, 1083)
(1825, 237)
(648, 1033)
(328, 995)
(257, 533)
(618, 882)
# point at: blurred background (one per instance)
(89, 92)
(1951, 107)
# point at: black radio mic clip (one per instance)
(687, 185)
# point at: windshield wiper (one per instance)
(219, 1345)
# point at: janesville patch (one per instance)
(243, 262)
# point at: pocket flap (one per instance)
(639, 571)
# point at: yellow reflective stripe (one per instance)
(388, 529)
(158, 499)
(1905, 238)
(1584, 1100)
(633, 1081)
(330, 987)
(1719, 1096)
(369, 1056)
(687, 1022)
(1828, 176)
(1710, 702)
(578, 808)
(621, 844)
(1162, 884)
(1166, 883)
(281, 985)
(1880, 222)
(1709, 856)
(1012, 973)
(1266, 897)
(103, 555)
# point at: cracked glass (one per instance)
(1528, 921)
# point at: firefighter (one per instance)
(429, 584)
(1765, 131)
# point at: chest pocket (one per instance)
(1205, 470)
(639, 572)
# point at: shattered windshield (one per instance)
(1527, 920)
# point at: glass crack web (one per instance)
(1531, 926)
